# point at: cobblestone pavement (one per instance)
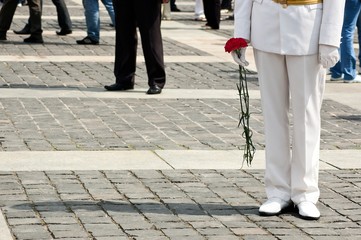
(151, 203)
(49, 124)
(169, 204)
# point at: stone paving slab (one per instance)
(158, 159)
(49, 124)
(168, 204)
(80, 160)
(85, 74)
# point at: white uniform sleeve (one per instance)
(242, 19)
(332, 20)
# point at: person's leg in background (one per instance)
(346, 68)
(6, 16)
(36, 30)
(199, 11)
(212, 11)
(108, 4)
(26, 29)
(92, 20)
(358, 25)
(166, 12)
(226, 5)
(126, 42)
(148, 19)
(173, 6)
(64, 20)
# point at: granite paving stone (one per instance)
(78, 126)
(159, 216)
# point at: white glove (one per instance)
(240, 57)
(328, 55)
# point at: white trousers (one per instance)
(198, 8)
(292, 158)
(166, 13)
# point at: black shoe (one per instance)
(87, 41)
(24, 31)
(118, 87)
(2, 36)
(63, 32)
(175, 9)
(154, 90)
(33, 39)
(208, 27)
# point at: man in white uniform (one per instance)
(294, 42)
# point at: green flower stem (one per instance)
(249, 149)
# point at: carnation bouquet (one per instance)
(236, 44)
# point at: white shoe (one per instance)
(308, 211)
(200, 18)
(357, 79)
(273, 206)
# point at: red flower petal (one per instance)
(235, 44)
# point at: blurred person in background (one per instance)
(92, 19)
(199, 11)
(345, 69)
(64, 20)
(212, 11)
(166, 12)
(6, 17)
(173, 6)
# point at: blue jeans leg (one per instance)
(347, 63)
(108, 4)
(91, 12)
(358, 24)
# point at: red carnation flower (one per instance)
(235, 44)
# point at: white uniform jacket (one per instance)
(291, 30)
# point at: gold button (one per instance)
(284, 5)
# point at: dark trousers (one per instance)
(146, 15)
(172, 4)
(7, 13)
(226, 4)
(8, 10)
(63, 15)
(212, 11)
(64, 20)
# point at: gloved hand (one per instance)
(328, 55)
(240, 57)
